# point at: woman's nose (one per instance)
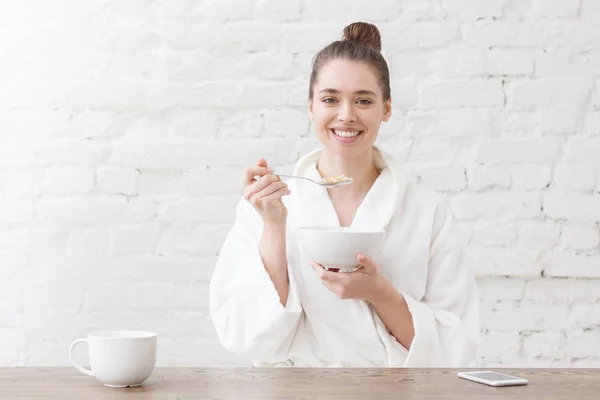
(346, 113)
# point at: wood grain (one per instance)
(299, 383)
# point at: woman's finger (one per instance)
(327, 275)
(268, 190)
(271, 198)
(263, 182)
(251, 172)
(262, 162)
(318, 269)
(338, 278)
(260, 184)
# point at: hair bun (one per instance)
(363, 32)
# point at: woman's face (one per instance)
(347, 107)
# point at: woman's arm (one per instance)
(273, 253)
(253, 316)
(441, 328)
(391, 307)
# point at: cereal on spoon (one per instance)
(335, 179)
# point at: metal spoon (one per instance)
(325, 185)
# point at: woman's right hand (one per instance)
(265, 192)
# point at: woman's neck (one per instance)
(361, 168)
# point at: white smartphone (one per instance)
(492, 378)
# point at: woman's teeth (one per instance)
(346, 133)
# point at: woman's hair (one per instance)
(361, 42)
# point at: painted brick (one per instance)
(572, 207)
(579, 237)
(567, 264)
(574, 177)
(475, 92)
(125, 128)
(506, 151)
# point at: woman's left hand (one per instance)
(363, 284)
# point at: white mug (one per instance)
(119, 358)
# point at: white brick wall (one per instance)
(124, 127)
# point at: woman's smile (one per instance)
(345, 135)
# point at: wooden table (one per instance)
(298, 383)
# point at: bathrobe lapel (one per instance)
(314, 207)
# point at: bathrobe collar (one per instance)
(375, 212)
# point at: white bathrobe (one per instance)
(421, 256)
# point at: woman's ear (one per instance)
(387, 111)
(310, 114)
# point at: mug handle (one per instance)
(79, 367)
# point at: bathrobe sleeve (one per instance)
(244, 304)
(446, 319)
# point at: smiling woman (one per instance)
(350, 111)
(411, 302)
(349, 94)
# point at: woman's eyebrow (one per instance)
(361, 92)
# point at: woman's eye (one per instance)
(365, 101)
(329, 100)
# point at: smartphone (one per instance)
(492, 378)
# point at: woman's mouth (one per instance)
(345, 136)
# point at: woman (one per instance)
(413, 305)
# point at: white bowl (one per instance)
(339, 247)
